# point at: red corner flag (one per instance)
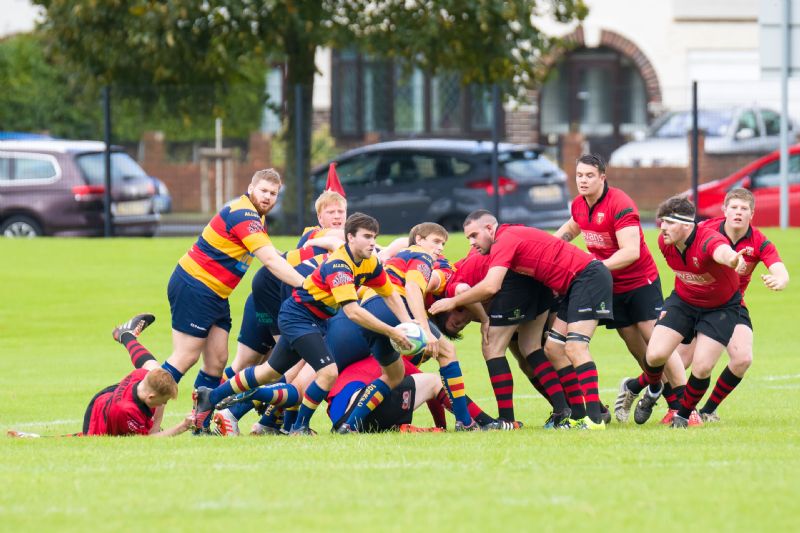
(333, 183)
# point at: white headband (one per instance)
(681, 219)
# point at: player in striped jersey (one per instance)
(207, 274)
(303, 322)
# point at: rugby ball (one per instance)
(415, 335)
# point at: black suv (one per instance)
(403, 183)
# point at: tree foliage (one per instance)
(182, 43)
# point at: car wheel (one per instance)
(21, 227)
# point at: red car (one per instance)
(762, 177)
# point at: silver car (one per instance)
(746, 130)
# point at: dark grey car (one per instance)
(403, 183)
(55, 187)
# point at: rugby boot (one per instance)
(135, 326)
(644, 407)
(624, 401)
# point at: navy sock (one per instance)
(176, 374)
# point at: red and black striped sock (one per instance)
(139, 354)
(695, 389)
(726, 382)
(673, 396)
(475, 412)
(587, 376)
(503, 386)
(547, 376)
(538, 386)
(650, 376)
(572, 388)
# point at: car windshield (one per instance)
(524, 164)
(715, 124)
(122, 166)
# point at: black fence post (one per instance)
(695, 147)
(298, 153)
(495, 141)
(108, 226)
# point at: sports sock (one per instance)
(503, 386)
(453, 382)
(205, 379)
(280, 394)
(572, 388)
(311, 400)
(176, 374)
(473, 409)
(244, 380)
(228, 373)
(547, 376)
(239, 409)
(370, 398)
(437, 412)
(650, 376)
(673, 396)
(540, 389)
(725, 384)
(587, 376)
(139, 354)
(289, 417)
(695, 389)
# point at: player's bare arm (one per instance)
(329, 242)
(629, 249)
(278, 266)
(778, 277)
(725, 255)
(484, 290)
(568, 231)
(364, 318)
(181, 427)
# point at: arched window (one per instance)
(598, 92)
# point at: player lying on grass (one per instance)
(735, 225)
(396, 411)
(135, 405)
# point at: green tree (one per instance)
(183, 42)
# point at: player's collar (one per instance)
(350, 254)
(747, 234)
(600, 199)
(143, 407)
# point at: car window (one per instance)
(715, 123)
(520, 165)
(459, 167)
(769, 175)
(359, 170)
(5, 168)
(28, 168)
(122, 165)
(747, 121)
(772, 122)
(396, 168)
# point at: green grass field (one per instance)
(61, 298)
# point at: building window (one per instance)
(373, 95)
(598, 92)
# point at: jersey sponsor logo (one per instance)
(690, 278)
(424, 269)
(600, 217)
(696, 262)
(252, 214)
(341, 278)
(406, 400)
(133, 425)
(596, 239)
(255, 226)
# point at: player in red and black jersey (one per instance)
(565, 269)
(609, 222)
(135, 405)
(738, 210)
(705, 302)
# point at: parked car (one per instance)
(728, 131)
(162, 201)
(403, 183)
(56, 187)
(762, 177)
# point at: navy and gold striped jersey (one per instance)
(335, 281)
(410, 264)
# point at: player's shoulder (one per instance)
(416, 252)
(620, 203)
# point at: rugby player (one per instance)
(608, 220)
(736, 226)
(206, 275)
(303, 319)
(585, 283)
(705, 302)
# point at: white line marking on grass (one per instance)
(71, 422)
(785, 377)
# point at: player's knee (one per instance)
(741, 361)
(326, 376)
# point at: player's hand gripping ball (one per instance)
(415, 335)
